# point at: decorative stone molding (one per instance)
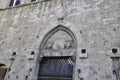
(67, 52)
(58, 42)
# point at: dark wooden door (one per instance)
(55, 68)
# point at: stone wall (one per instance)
(95, 24)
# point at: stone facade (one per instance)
(87, 30)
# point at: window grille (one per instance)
(56, 68)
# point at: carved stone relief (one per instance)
(59, 43)
(59, 40)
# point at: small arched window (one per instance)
(3, 70)
(33, 0)
(14, 2)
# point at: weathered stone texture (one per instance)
(95, 24)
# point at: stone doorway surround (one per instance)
(59, 42)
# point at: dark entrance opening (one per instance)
(3, 70)
(56, 68)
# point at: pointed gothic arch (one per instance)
(61, 37)
(55, 30)
(58, 45)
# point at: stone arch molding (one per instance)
(60, 41)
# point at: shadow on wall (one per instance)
(3, 70)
